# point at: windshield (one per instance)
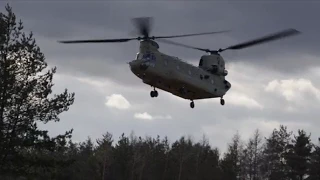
(139, 56)
(146, 56)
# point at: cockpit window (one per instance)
(139, 56)
(155, 44)
(201, 62)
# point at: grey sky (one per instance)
(88, 69)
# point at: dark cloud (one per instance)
(52, 21)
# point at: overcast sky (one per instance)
(272, 84)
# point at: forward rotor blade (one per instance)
(194, 34)
(264, 39)
(143, 24)
(183, 45)
(98, 40)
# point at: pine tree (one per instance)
(298, 155)
(315, 163)
(25, 101)
(103, 154)
(123, 158)
(251, 156)
(181, 153)
(274, 164)
(230, 164)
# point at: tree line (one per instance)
(281, 156)
(27, 152)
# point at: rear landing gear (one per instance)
(222, 101)
(192, 104)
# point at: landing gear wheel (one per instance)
(154, 94)
(222, 101)
(192, 104)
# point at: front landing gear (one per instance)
(192, 104)
(154, 93)
(222, 101)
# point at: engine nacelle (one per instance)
(214, 64)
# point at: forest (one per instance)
(27, 152)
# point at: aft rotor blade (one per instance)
(99, 40)
(194, 34)
(183, 45)
(143, 24)
(264, 39)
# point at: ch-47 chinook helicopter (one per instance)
(171, 74)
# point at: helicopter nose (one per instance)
(227, 84)
(132, 64)
(139, 65)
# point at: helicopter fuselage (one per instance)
(175, 76)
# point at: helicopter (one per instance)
(178, 77)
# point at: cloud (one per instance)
(93, 82)
(112, 20)
(298, 92)
(117, 101)
(147, 116)
(144, 116)
(239, 99)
